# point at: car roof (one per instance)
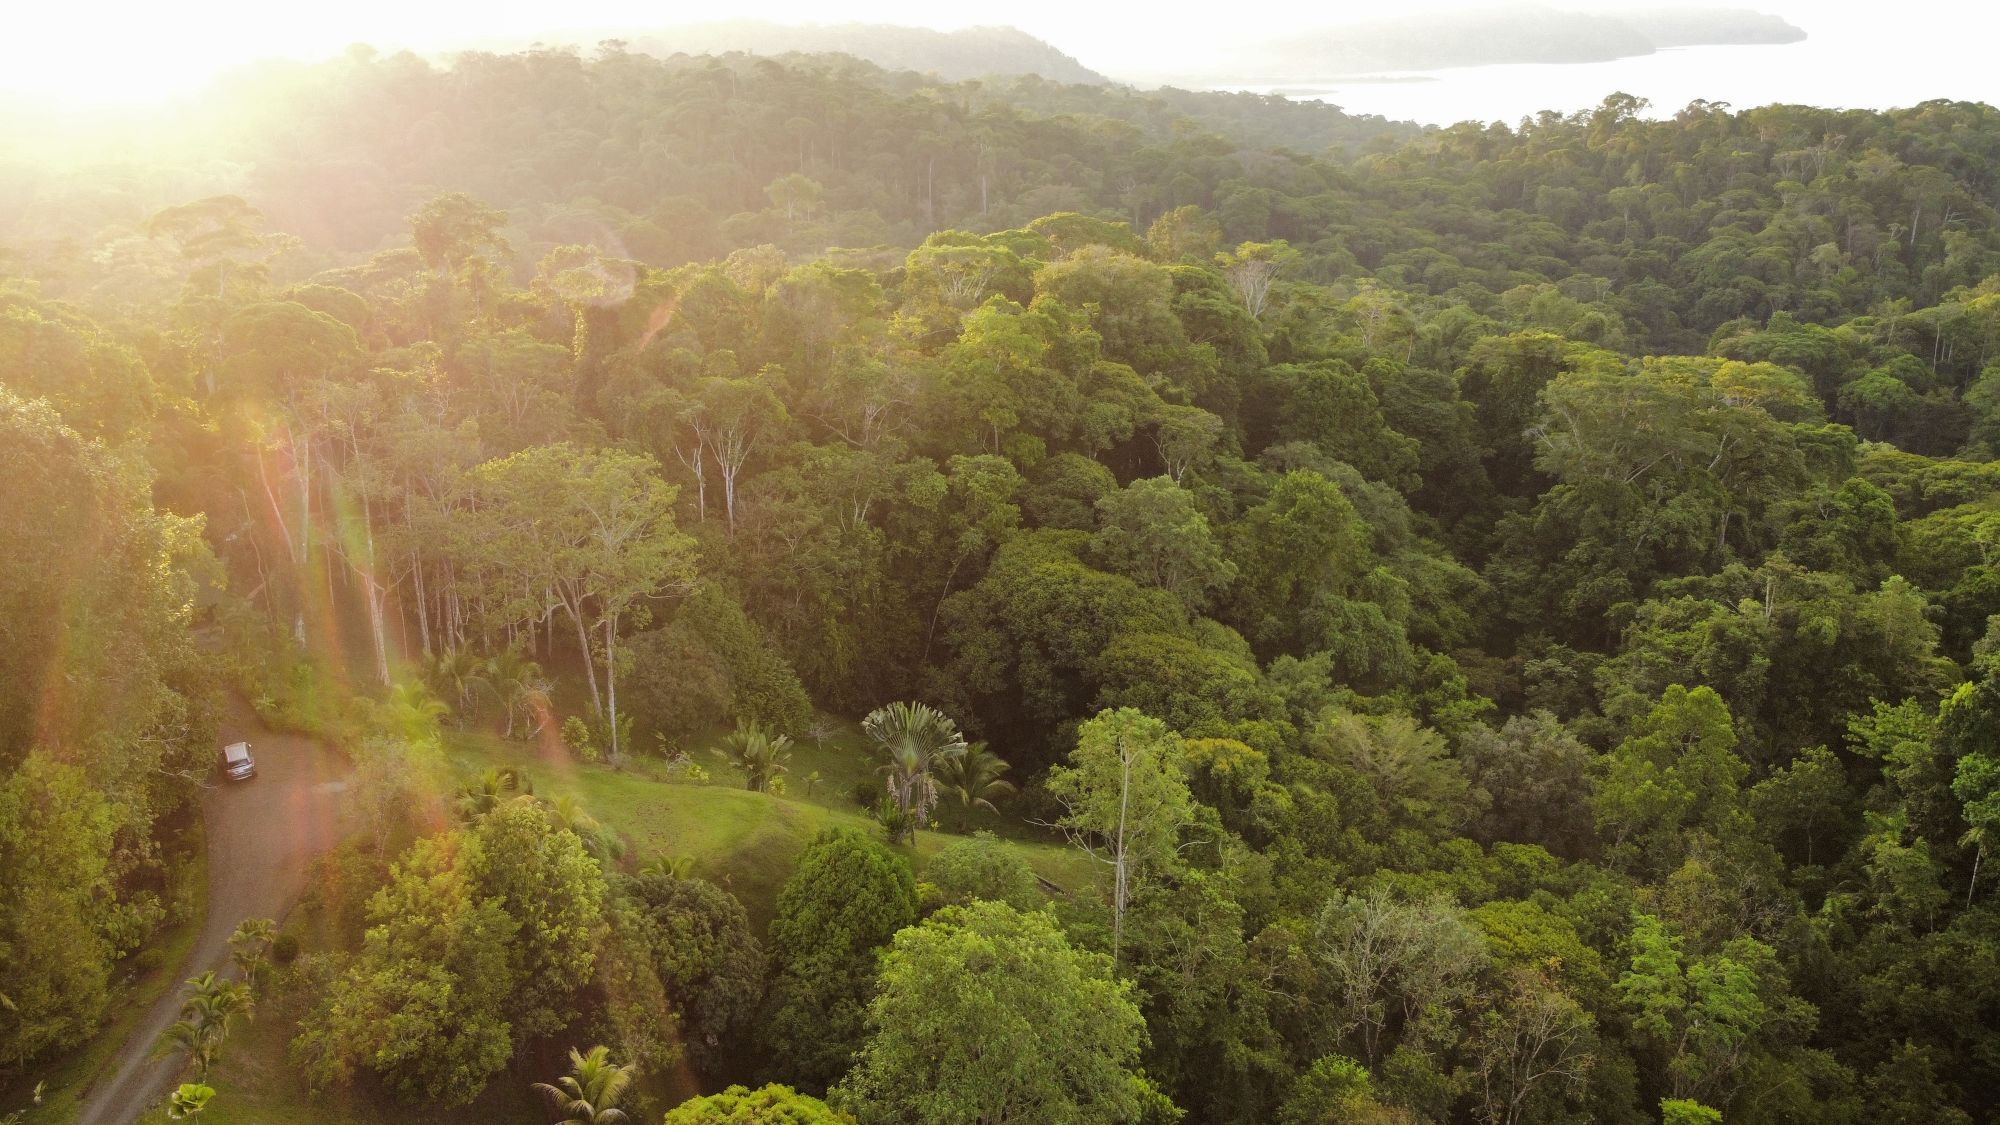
(236, 750)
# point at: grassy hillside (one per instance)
(747, 842)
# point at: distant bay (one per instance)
(1868, 70)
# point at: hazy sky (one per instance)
(99, 51)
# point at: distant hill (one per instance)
(1694, 27)
(1524, 34)
(973, 52)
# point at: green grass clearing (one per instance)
(747, 842)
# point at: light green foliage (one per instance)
(1593, 513)
(1407, 766)
(757, 753)
(1336, 1090)
(1683, 1111)
(479, 935)
(1152, 533)
(250, 945)
(770, 1105)
(100, 388)
(976, 777)
(979, 869)
(188, 1100)
(55, 840)
(985, 1013)
(593, 529)
(1704, 1016)
(545, 880)
(1679, 771)
(1125, 800)
(847, 898)
(423, 1006)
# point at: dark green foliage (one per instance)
(848, 897)
(710, 663)
(706, 959)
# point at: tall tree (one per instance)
(847, 898)
(589, 531)
(987, 1014)
(1126, 802)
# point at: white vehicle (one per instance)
(237, 764)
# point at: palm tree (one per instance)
(188, 1101)
(250, 943)
(602, 844)
(760, 754)
(519, 683)
(1975, 837)
(413, 711)
(494, 788)
(462, 677)
(671, 867)
(914, 738)
(974, 777)
(205, 1017)
(589, 1093)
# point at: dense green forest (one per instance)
(1504, 621)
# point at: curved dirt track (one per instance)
(262, 836)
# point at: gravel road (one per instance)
(262, 836)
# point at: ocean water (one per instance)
(1881, 66)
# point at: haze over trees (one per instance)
(1486, 624)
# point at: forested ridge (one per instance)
(1507, 618)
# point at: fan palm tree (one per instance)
(760, 754)
(589, 1093)
(974, 777)
(914, 739)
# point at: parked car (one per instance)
(237, 764)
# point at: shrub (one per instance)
(576, 736)
(866, 793)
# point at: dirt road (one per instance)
(262, 835)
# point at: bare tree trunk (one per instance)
(611, 676)
(589, 665)
(1120, 868)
